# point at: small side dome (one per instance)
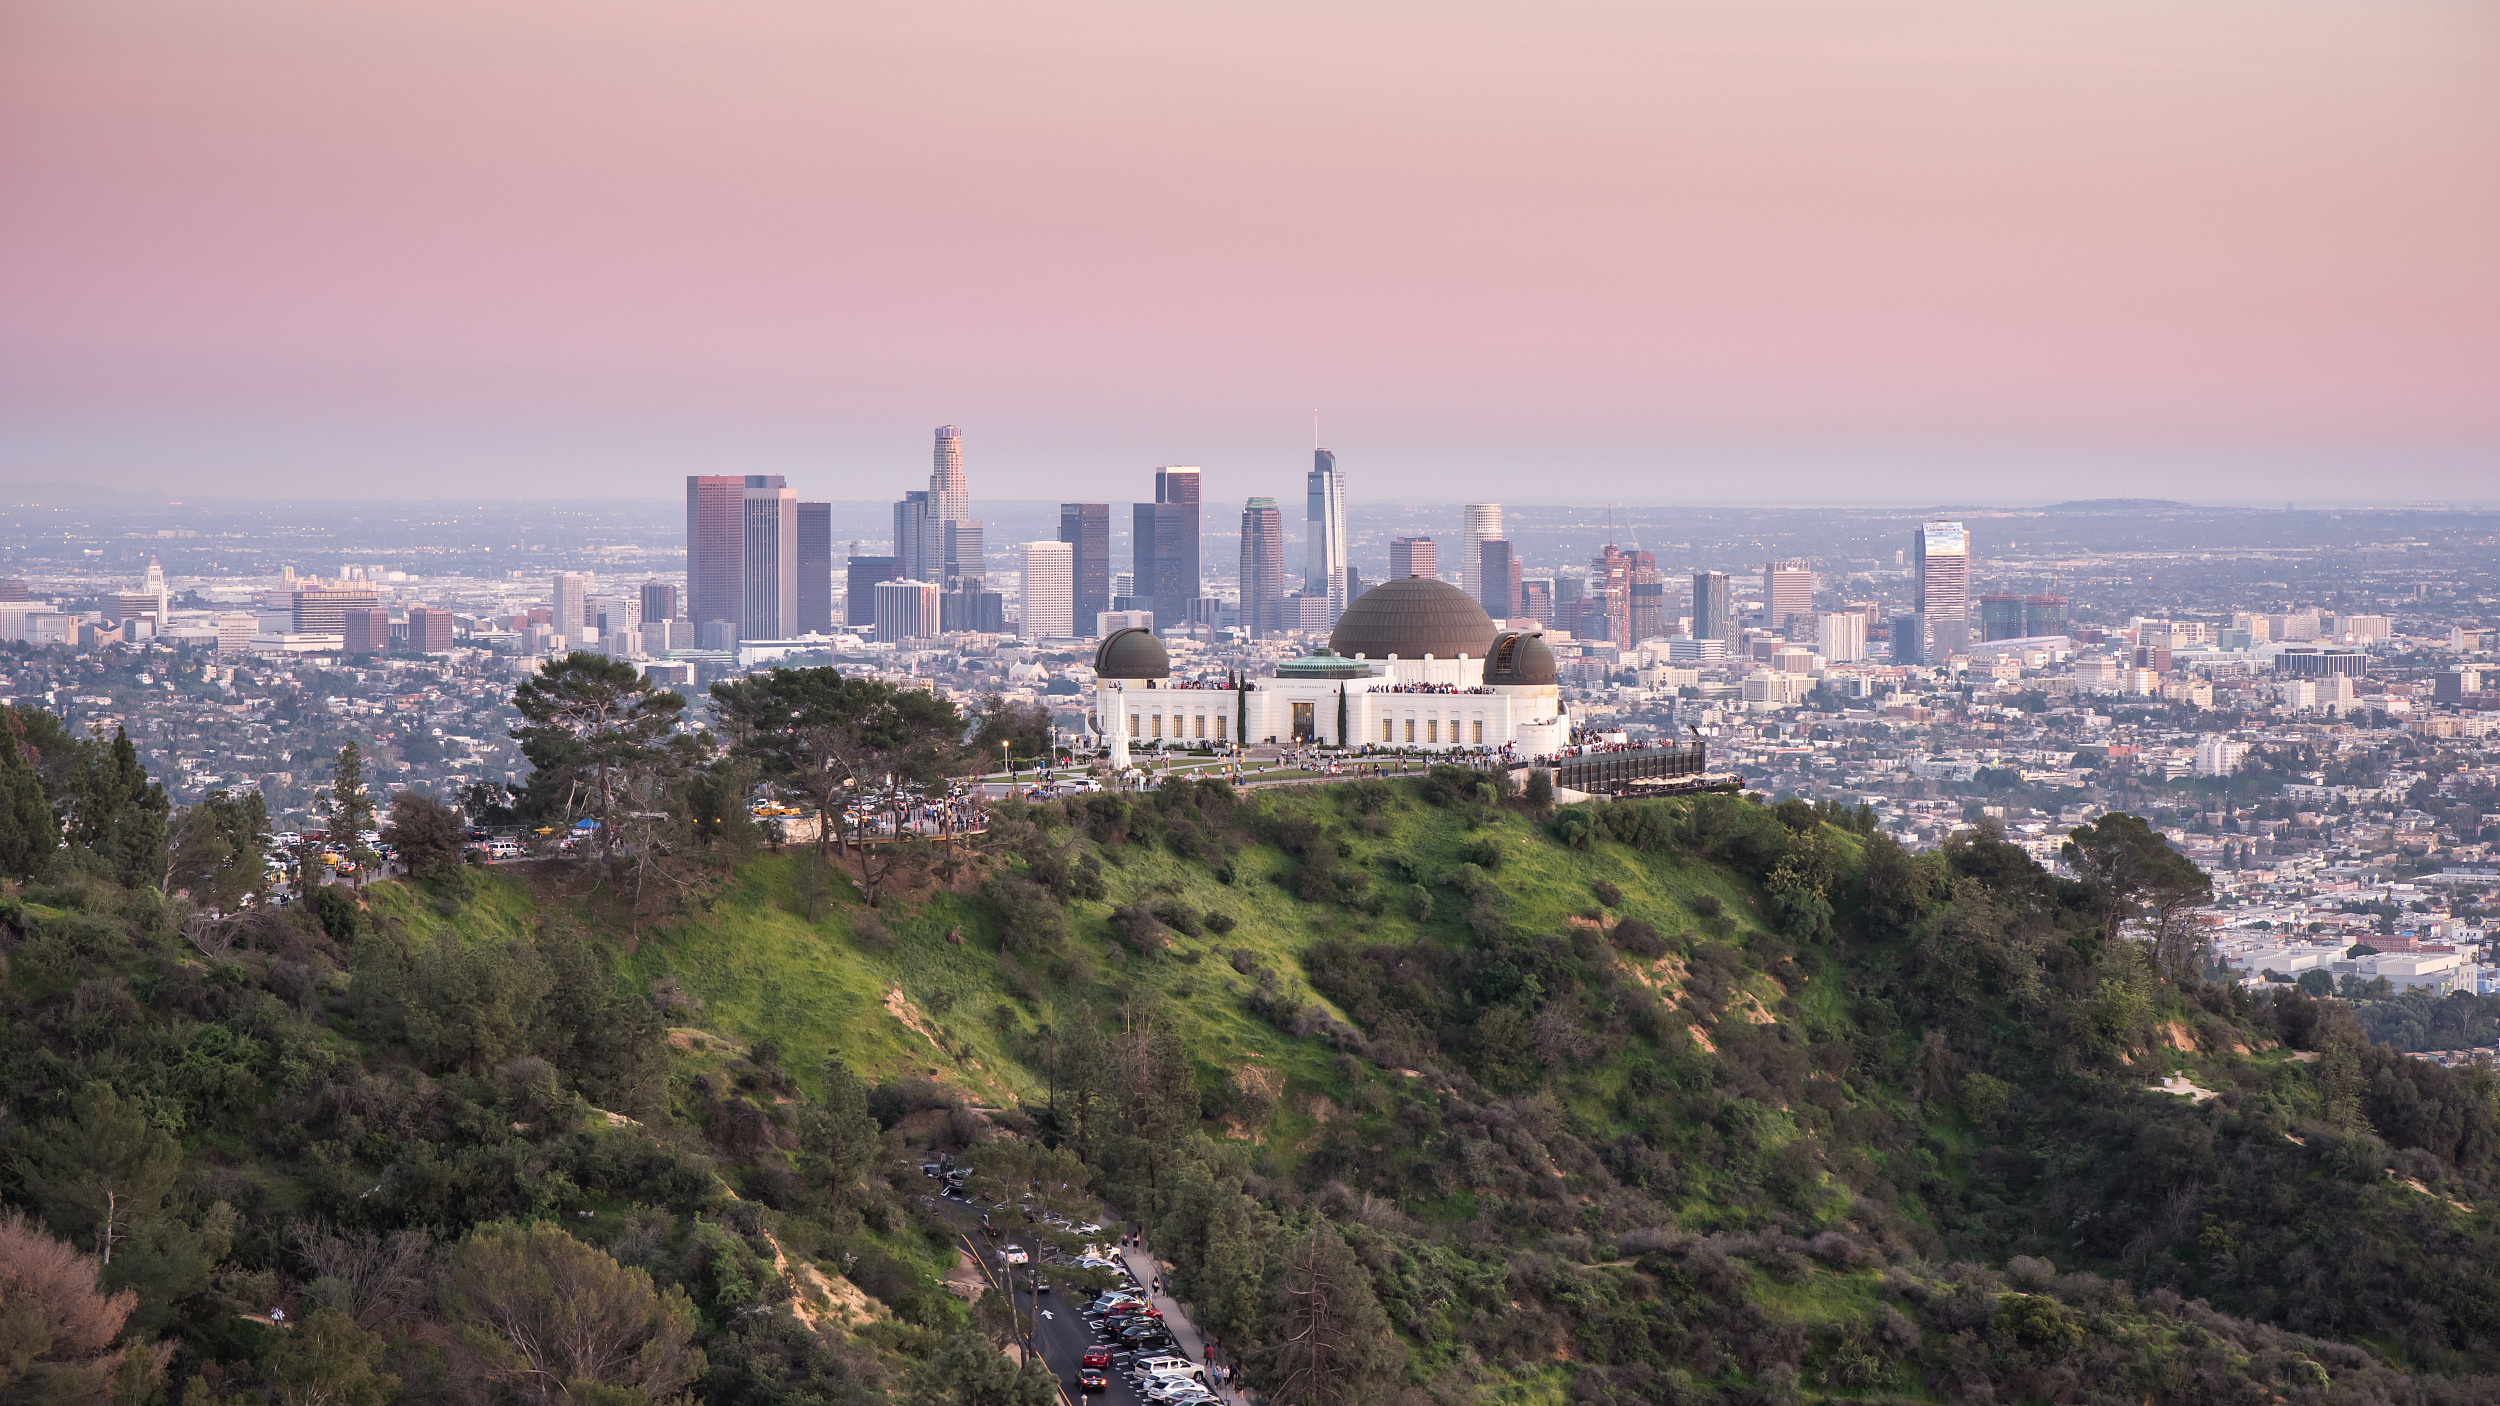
(1132, 653)
(1520, 657)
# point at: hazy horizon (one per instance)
(1799, 251)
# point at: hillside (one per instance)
(1671, 1101)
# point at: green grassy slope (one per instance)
(1725, 1143)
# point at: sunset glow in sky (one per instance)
(1636, 250)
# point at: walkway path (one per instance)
(1187, 1341)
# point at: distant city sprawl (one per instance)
(2300, 701)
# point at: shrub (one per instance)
(1484, 853)
(1639, 938)
(1178, 917)
(1607, 893)
(869, 933)
(1219, 922)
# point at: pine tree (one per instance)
(1327, 1342)
(351, 808)
(28, 833)
(116, 813)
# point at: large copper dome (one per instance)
(1132, 654)
(1411, 618)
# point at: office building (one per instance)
(911, 520)
(975, 612)
(1324, 560)
(1907, 639)
(1413, 556)
(322, 610)
(1841, 638)
(364, 629)
(768, 567)
(1263, 571)
(571, 598)
(659, 601)
(235, 630)
(2044, 616)
(1649, 605)
(1049, 589)
(2001, 618)
(860, 603)
(965, 568)
(1941, 567)
(1086, 528)
(429, 629)
(950, 493)
(1483, 524)
(1164, 547)
(1714, 607)
(1496, 571)
(12, 589)
(815, 569)
(2324, 663)
(1536, 601)
(1788, 595)
(907, 610)
(715, 545)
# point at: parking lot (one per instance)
(1104, 1346)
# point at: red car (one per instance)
(1097, 1358)
(1091, 1379)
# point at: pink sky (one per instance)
(1536, 250)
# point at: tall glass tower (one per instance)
(1324, 564)
(1484, 524)
(1941, 553)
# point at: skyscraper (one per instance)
(911, 519)
(1263, 570)
(1484, 522)
(1941, 563)
(1324, 565)
(1413, 556)
(815, 569)
(1714, 608)
(1049, 590)
(1788, 592)
(769, 562)
(950, 493)
(572, 589)
(2044, 615)
(859, 600)
(1497, 571)
(659, 601)
(907, 610)
(158, 596)
(2000, 617)
(1164, 546)
(715, 545)
(965, 569)
(1610, 588)
(1086, 528)
(1841, 639)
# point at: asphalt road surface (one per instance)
(1055, 1322)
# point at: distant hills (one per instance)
(2120, 505)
